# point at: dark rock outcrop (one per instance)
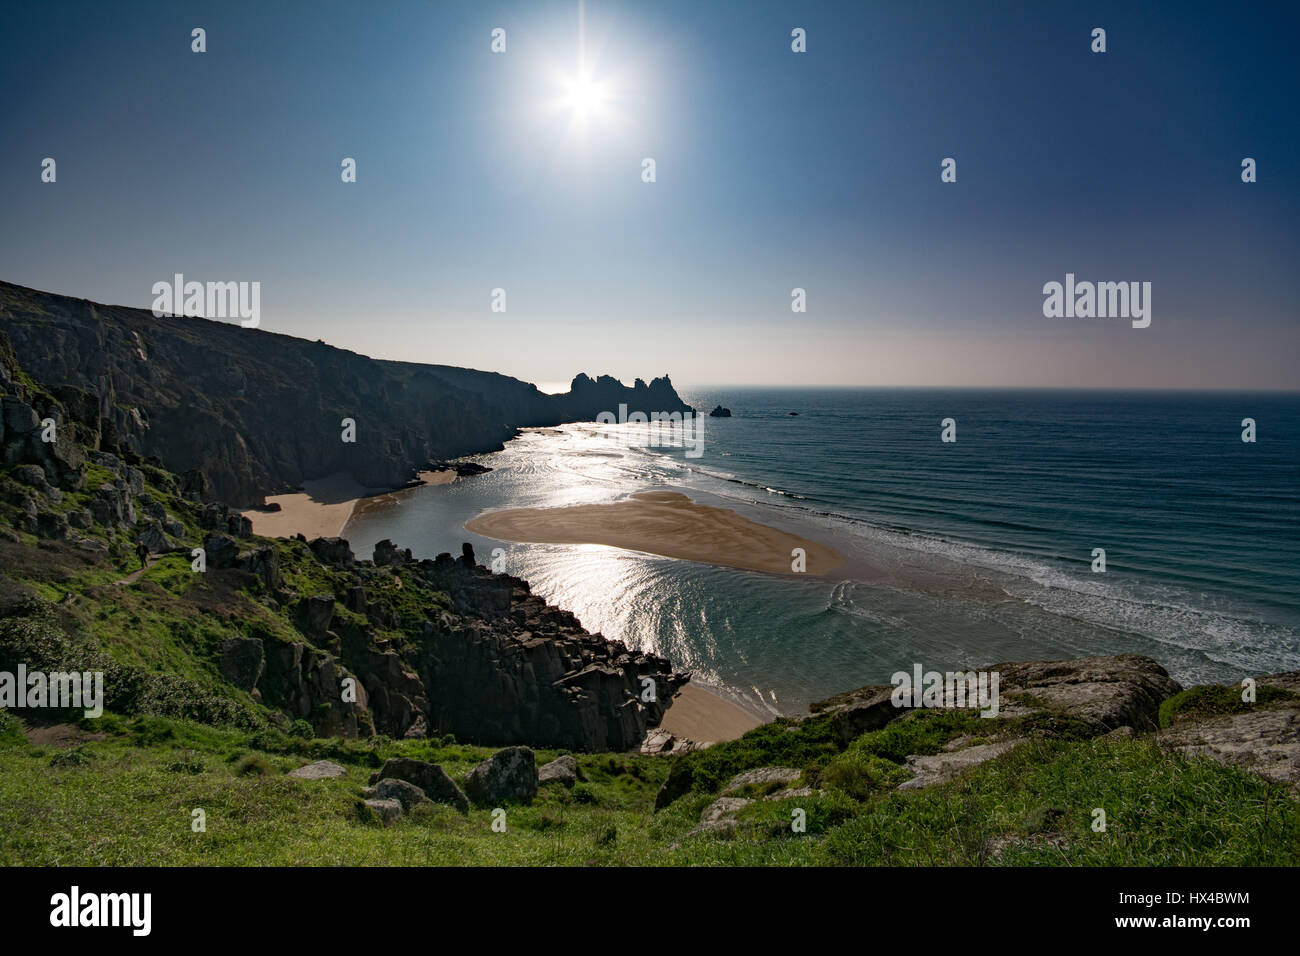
(242, 660)
(860, 711)
(220, 550)
(315, 613)
(720, 412)
(506, 667)
(332, 551)
(154, 538)
(307, 683)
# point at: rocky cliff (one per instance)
(277, 631)
(258, 413)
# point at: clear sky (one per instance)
(775, 170)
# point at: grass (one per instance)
(1036, 806)
(1199, 703)
(133, 804)
(128, 799)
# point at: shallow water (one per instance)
(960, 554)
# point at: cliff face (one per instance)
(259, 412)
(502, 666)
(306, 630)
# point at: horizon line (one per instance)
(1231, 390)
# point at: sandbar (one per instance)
(666, 523)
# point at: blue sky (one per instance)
(775, 170)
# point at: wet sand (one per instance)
(666, 523)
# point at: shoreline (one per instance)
(325, 505)
(664, 523)
(698, 713)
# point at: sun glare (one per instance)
(587, 98)
(583, 96)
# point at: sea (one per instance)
(961, 554)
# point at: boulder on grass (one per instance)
(320, 770)
(561, 770)
(404, 792)
(508, 776)
(390, 811)
(429, 777)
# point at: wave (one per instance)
(1197, 631)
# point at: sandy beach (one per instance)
(667, 523)
(699, 714)
(324, 506)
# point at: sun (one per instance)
(583, 97)
(586, 98)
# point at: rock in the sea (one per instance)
(720, 412)
(562, 770)
(403, 791)
(429, 777)
(508, 776)
(320, 770)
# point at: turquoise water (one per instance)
(960, 554)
